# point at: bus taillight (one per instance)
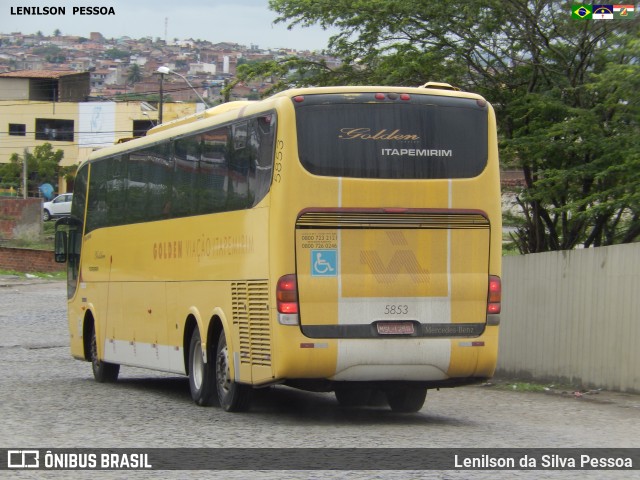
(495, 295)
(392, 96)
(287, 300)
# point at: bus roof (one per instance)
(432, 88)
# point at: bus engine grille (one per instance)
(382, 218)
(250, 303)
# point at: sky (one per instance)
(247, 22)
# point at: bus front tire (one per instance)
(406, 399)
(103, 372)
(201, 377)
(233, 397)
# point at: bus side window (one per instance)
(239, 158)
(262, 140)
(213, 177)
(187, 157)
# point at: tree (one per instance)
(116, 53)
(565, 93)
(135, 75)
(580, 155)
(42, 167)
(143, 97)
(52, 53)
(10, 173)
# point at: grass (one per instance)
(43, 243)
(32, 244)
(42, 275)
(554, 388)
(524, 386)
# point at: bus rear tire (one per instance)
(406, 399)
(201, 376)
(103, 372)
(233, 397)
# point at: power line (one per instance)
(116, 98)
(92, 145)
(75, 132)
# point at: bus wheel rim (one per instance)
(198, 366)
(223, 370)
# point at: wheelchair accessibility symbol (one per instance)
(324, 263)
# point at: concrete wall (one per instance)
(20, 218)
(573, 316)
(14, 89)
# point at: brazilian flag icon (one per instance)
(581, 12)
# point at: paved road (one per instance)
(49, 400)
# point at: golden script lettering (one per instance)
(366, 134)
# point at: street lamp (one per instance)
(166, 70)
(146, 114)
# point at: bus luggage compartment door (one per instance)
(376, 274)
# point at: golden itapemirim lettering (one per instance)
(202, 247)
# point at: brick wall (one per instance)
(28, 260)
(20, 218)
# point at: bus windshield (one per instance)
(416, 137)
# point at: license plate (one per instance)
(395, 328)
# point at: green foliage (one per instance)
(143, 97)
(68, 173)
(42, 167)
(135, 75)
(10, 173)
(565, 91)
(52, 53)
(115, 54)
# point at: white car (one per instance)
(58, 207)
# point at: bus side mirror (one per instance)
(60, 250)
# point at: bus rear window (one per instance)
(426, 137)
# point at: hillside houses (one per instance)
(109, 61)
(84, 93)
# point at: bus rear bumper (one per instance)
(399, 359)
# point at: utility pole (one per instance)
(160, 104)
(24, 174)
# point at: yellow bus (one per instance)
(342, 239)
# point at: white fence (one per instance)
(573, 316)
